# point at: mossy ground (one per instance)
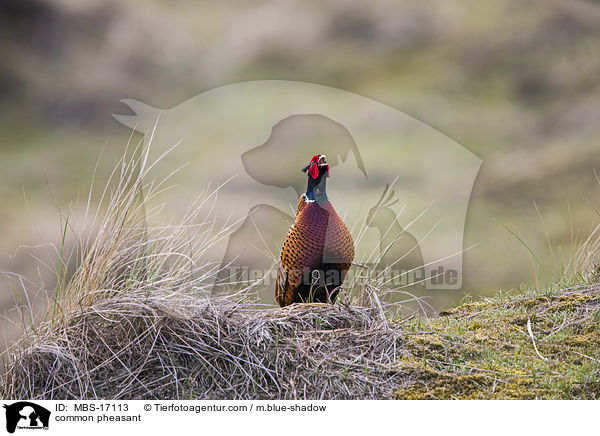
(483, 349)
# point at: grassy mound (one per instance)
(195, 348)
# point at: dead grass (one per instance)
(199, 348)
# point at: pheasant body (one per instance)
(317, 252)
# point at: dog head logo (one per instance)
(26, 415)
(389, 171)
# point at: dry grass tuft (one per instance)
(193, 348)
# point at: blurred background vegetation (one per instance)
(516, 82)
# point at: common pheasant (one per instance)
(318, 249)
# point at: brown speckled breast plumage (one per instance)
(316, 255)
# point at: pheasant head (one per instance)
(317, 171)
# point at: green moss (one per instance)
(483, 350)
(464, 309)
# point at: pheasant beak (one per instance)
(322, 162)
